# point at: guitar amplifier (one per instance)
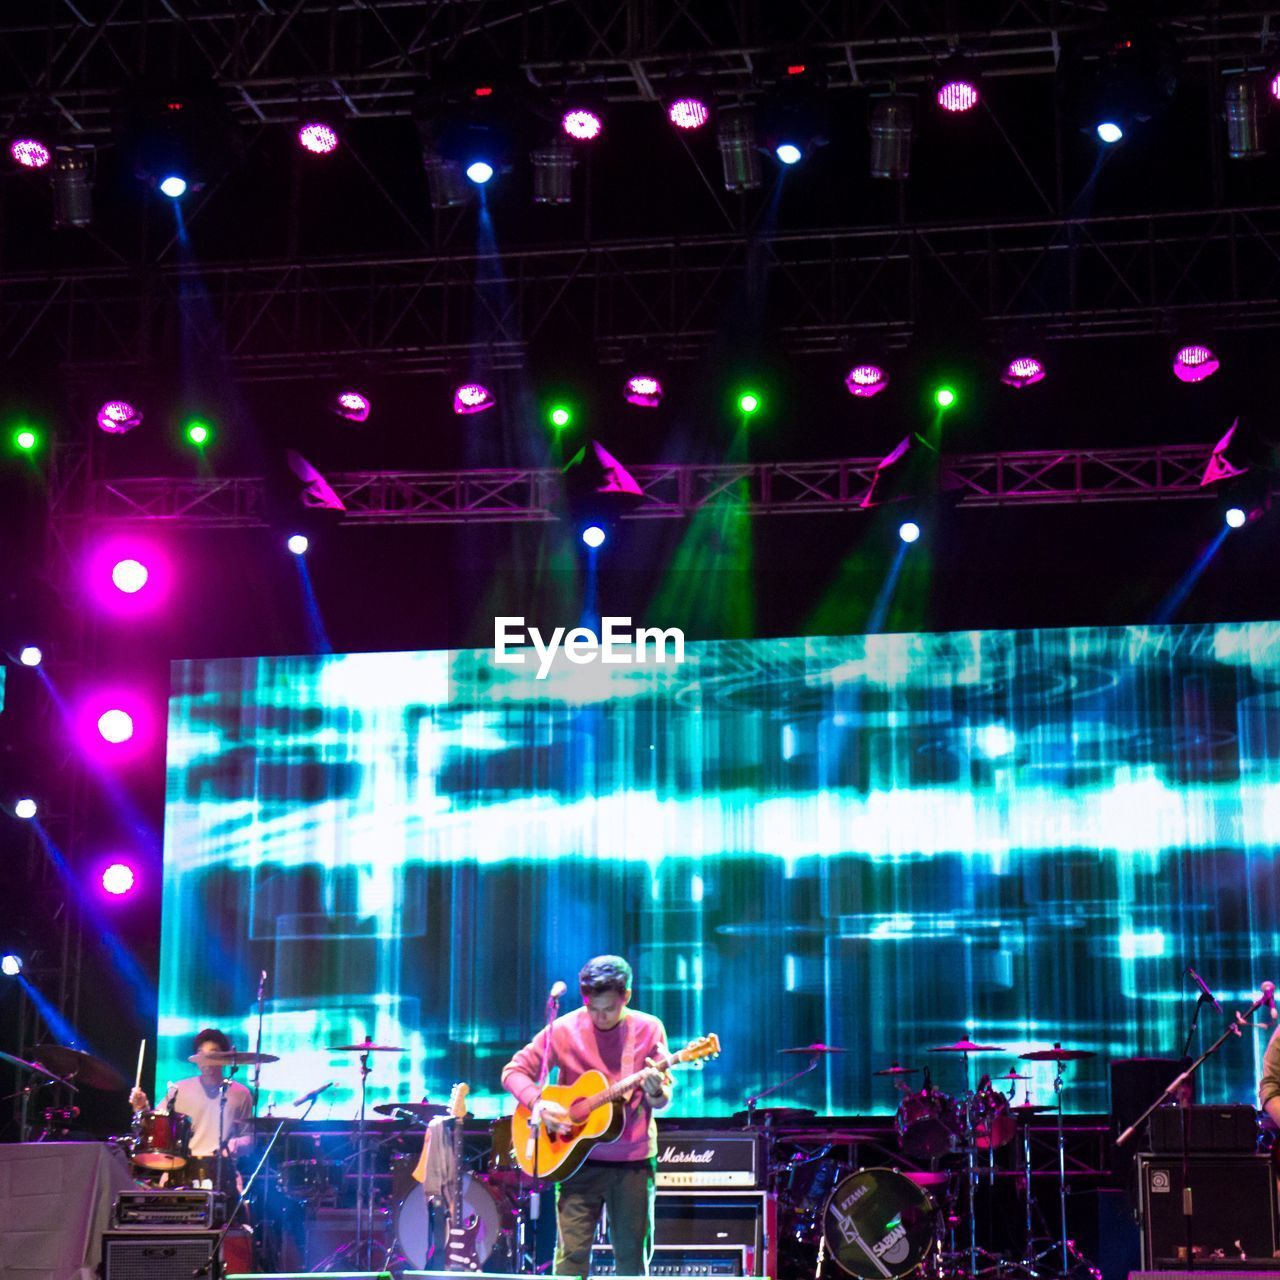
(679, 1260)
(709, 1158)
(708, 1220)
(156, 1210)
(1231, 1128)
(1233, 1209)
(168, 1256)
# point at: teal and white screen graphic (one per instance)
(885, 843)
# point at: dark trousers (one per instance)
(626, 1191)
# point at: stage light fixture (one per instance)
(891, 126)
(116, 726)
(957, 96)
(472, 397)
(594, 536)
(26, 439)
(479, 172)
(353, 405)
(445, 186)
(30, 153)
(72, 188)
(1022, 371)
(1273, 82)
(25, 809)
(1242, 110)
(749, 402)
(1236, 517)
(944, 397)
(688, 112)
(30, 656)
(129, 576)
(866, 380)
(788, 153)
(10, 965)
(1194, 362)
(909, 531)
(116, 417)
(118, 879)
(582, 124)
(1109, 131)
(739, 149)
(298, 544)
(560, 416)
(318, 137)
(198, 433)
(553, 172)
(174, 186)
(644, 390)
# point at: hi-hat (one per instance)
(812, 1049)
(418, 1110)
(896, 1070)
(36, 1069)
(232, 1058)
(78, 1066)
(967, 1046)
(1012, 1074)
(1057, 1054)
(367, 1046)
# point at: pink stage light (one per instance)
(1194, 363)
(866, 380)
(317, 137)
(30, 153)
(645, 390)
(957, 96)
(472, 397)
(352, 405)
(688, 113)
(118, 416)
(118, 879)
(127, 575)
(1022, 371)
(582, 125)
(116, 726)
(1273, 84)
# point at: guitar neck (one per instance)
(627, 1083)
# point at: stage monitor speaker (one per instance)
(1233, 1209)
(172, 1256)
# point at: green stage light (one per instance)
(560, 416)
(944, 397)
(198, 432)
(26, 439)
(748, 402)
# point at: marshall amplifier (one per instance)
(709, 1158)
(686, 1260)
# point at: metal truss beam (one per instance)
(533, 495)
(815, 290)
(371, 56)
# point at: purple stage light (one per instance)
(129, 576)
(115, 725)
(30, 153)
(1194, 363)
(958, 95)
(866, 380)
(317, 137)
(1022, 371)
(645, 390)
(353, 406)
(118, 416)
(582, 125)
(472, 397)
(118, 879)
(1273, 84)
(688, 113)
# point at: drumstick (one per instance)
(142, 1053)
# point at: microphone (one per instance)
(262, 984)
(1205, 994)
(1269, 998)
(557, 990)
(313, 1095)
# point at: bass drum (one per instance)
(878, 1223)
(417, 1226)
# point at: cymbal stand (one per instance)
(773, 1088)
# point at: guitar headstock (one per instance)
(700, 1050)
(458, 1101)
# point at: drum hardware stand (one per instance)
(773, 1088)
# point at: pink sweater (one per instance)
(577, 1047)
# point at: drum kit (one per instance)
(888, 1223)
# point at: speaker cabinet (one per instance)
(1233, 1203)
(720, 1220)
(171, 1256)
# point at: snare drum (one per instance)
(879, 1224)
(484, 1204)
(161, 1139)
(926, 1124)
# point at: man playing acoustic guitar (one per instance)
(604, 1035)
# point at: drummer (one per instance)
(199, 1098)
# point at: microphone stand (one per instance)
(1238, 1020)
(529, 1249)
(260, 1241)
(773, 1088)
(1195, 1018)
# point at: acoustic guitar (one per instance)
(597, 1111)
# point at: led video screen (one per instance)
(884, 843)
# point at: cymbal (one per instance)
(367, 1046)
(1032, 1108)
(35, 1068)
(812, 1049)
(232, 1058)
(896, 1070)
(418, 1110)
(774, 1116)
(78, 1066)
(967, 1046)
(1057, 1054)
(1012, 1074)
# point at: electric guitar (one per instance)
(461, 1251)
(596, 1111)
